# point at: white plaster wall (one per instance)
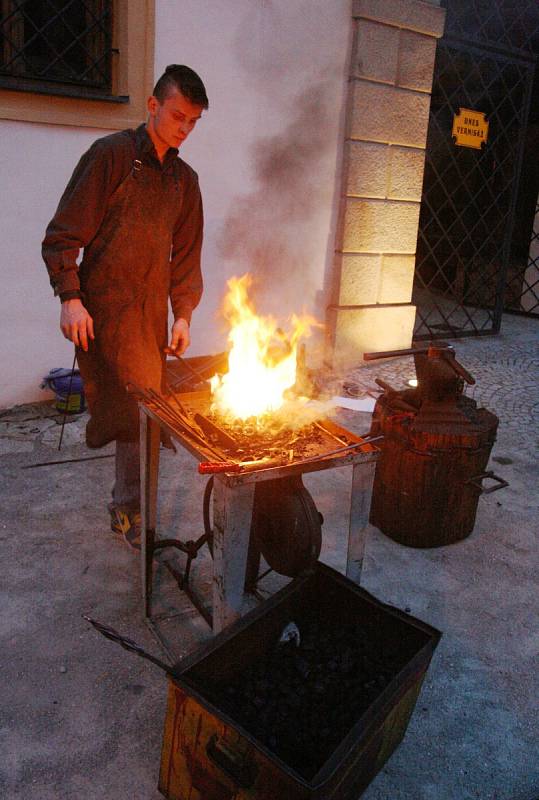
(36, 162)
(267, 154)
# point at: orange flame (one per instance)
(262, 360)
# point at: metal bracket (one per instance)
(191, 549)
(477, 482)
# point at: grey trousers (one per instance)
(126, 489)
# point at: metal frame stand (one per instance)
(233, 499)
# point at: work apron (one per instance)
(125, 281)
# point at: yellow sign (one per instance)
(470, 128)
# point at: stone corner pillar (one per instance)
(387, 118)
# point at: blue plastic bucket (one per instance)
(70, 401)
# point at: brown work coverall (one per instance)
(140, 224)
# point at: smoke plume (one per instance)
(271, 232)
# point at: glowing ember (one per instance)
(261, 362)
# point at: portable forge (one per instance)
(260, 505)
(307, 695)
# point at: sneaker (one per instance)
(128, 525)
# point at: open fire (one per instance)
(261, 413)
(262, 361)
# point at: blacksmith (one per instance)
(135, 209)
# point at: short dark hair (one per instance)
(185, 80)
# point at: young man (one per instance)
(135, 208)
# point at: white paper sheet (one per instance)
(364, 403)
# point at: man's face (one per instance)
(172, 121)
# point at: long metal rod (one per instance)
(329, 433)
(185, 586)
(187, 432)
(127, 644)
(66, 461)
(68, 399)
(321, 456)
(173, 419)
(184, 363)
(266, 463)
(207, 366)
(407, 351)
(179, 413)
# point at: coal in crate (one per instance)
(305, 697)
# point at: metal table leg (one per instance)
(360, 503)
(232, 514)
(149, 468)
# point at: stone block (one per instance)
(382, 113)
(380, 226)
(376, 52)
(416, 61)
(396, 279)
(363, 330)
(406, 167)
(360, 278)
(413, 15)
(367, 171)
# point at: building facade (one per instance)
(311, 158)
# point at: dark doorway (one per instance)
(478, 205)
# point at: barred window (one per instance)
(60, 47)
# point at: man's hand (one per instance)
(179, 338)
(76, 324)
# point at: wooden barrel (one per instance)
(424, 494)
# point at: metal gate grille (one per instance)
(49, 43)
(529, 297)
(469, 196)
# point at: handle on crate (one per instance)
(476, 481)
(234, 765)
(127, 644)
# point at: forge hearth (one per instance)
(188, 407)
(247, 445)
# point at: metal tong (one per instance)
(211, 468)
